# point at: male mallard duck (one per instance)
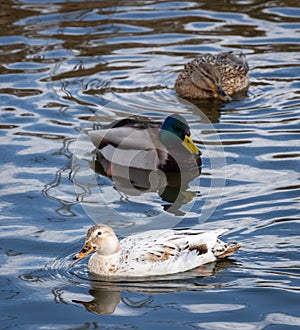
(214, 76)
(147, 145)
(156, 252)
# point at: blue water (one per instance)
(66, 65)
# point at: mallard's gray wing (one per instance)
(124, 137)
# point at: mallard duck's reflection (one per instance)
(173, 188)
(135, 294)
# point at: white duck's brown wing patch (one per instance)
(153, 249)
(165, 253)
(199, 248)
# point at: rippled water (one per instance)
(65, 66)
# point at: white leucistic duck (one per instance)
(156, 252)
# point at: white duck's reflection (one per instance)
(131, 296)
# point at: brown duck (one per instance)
(210, 76)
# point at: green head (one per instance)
(175, 127)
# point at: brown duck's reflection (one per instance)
(172, 187)
(107, 296)
(211, 109)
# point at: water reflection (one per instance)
(107, 296)
(104, 301)
(210, 108)
(60, 64)
(173, 188)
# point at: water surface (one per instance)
(65, 66)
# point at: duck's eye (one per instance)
(177, 129)
(221, 91)
(99, 233)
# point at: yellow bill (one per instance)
(189, 144)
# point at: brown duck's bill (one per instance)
(86, 250)
(221, 94)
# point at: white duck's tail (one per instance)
(222, 250)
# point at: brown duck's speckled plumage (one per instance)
(206, 75)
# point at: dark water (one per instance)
(65, 65)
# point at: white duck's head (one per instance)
(100, 239)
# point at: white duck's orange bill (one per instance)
(86, 250)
